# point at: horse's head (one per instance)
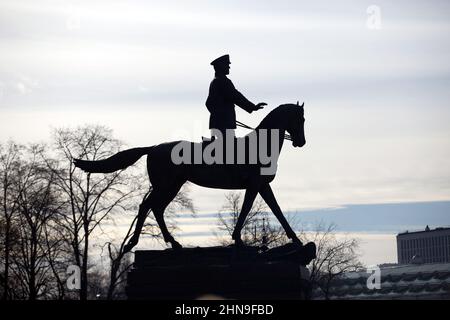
(289, 117)
(295, 126)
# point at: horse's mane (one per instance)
(278, 114)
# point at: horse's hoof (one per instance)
(176, 245)
(297, 242)
(239, 243)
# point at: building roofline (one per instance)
(424, 231)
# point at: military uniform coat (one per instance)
(220, 103)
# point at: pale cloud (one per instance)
(73, 21)
(14, 85)
(26, 85)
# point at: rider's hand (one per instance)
(260, 105)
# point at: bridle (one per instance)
(287, 136)
(242, 125)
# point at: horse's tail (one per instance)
(120, 160)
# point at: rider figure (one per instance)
(222, 98)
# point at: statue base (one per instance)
(222, 272)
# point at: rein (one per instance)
(242, 125)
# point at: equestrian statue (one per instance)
(247, 162)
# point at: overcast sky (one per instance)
(376, 93)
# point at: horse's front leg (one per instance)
(267, 194)
(249, 198)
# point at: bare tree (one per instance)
(34, 202)
(334, 257)
(89, 199)
(258, 229)
(98, 283)
(37, 204)
(58, 254)
(9, 168)
(50, 211)
(120, 264)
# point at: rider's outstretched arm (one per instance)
(239, 99)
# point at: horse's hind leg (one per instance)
(162, 199)
(159, 215)
(144, 207)
(157, 200)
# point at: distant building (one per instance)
(422, 272)
(397, 282)
(428, 246)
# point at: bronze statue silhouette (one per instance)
(167, 178)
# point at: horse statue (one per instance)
(167, 178)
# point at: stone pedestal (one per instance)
(227, 272)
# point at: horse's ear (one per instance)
(300, 105)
